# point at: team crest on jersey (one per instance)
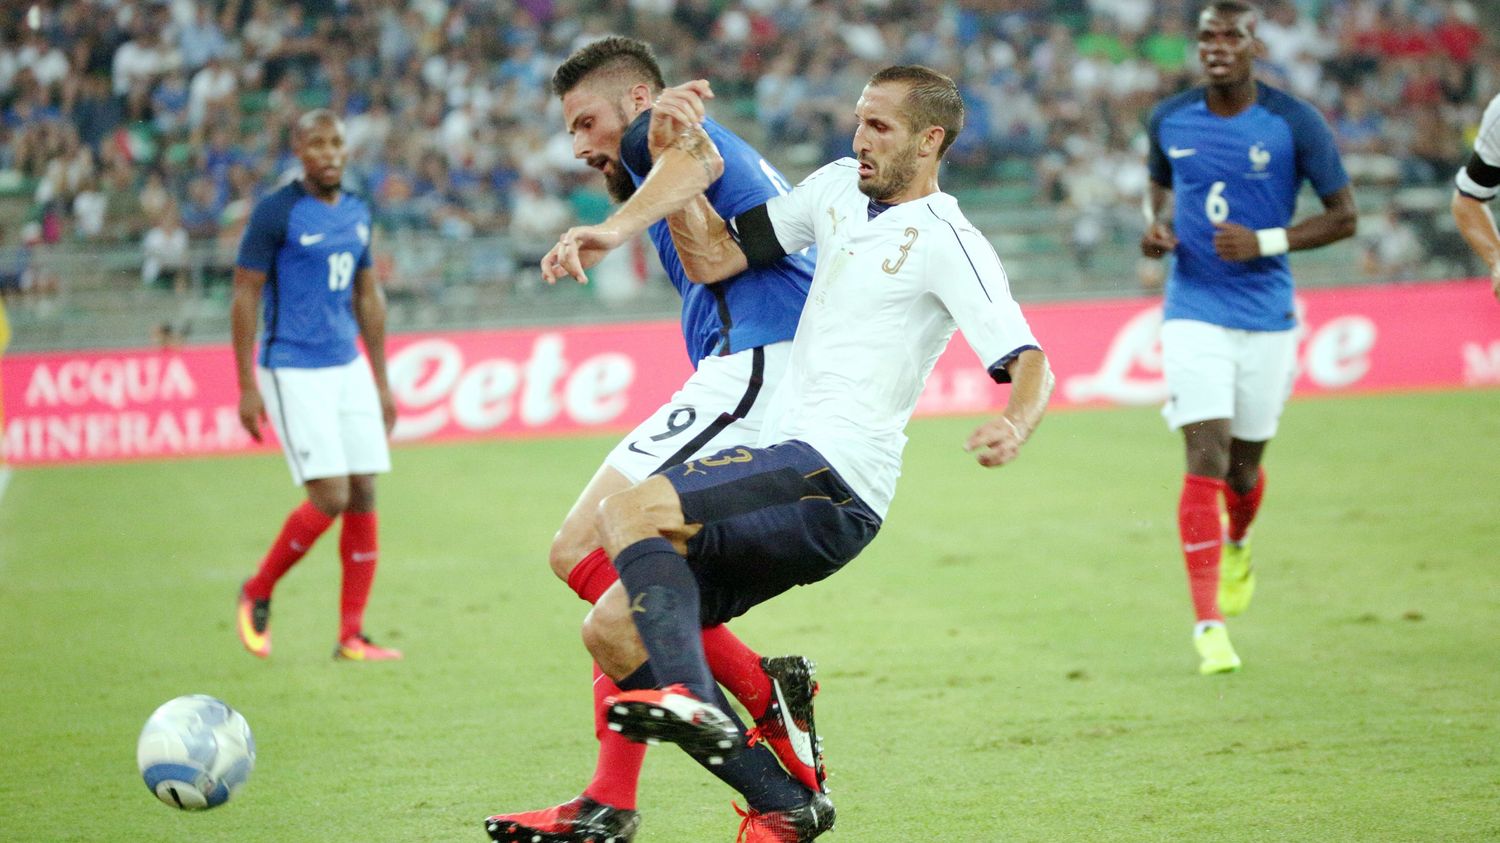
(364, 233)
(1260, 157)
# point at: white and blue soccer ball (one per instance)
(195, 752)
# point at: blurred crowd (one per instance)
(160, 123)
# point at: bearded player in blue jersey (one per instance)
(1226, 162)
(306, 256)
(738, 333)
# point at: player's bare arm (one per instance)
(1234, 242)
(696, 228)
(682, 173)
(999, 441)
(1159, 238)
(708, 251)
(369, 312)
(1477, 224)
(676, 110)
(244, 310)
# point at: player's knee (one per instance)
(606, 625)
(574, 540)
(623, 519)
(361, 493)
(330, 495)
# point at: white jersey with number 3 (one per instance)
(886, 297)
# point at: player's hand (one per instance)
(387, 408)
(252, 412)
(1495, 281)
(1158, 240)
(1235, 242)
(579, 249)
(676, 110)
(996, 442)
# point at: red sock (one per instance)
(593, 575)
(617, 773)
(1202, 539)
(301, 529)
(737, 667)
(359, 550)
(1242, 508)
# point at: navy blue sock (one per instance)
(642, 678)
(664, 603)
(755, 772)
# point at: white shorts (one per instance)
(722, 405)
(328, 420)
(1223, 373)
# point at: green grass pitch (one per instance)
(1010, 660)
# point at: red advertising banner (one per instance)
(106, 405)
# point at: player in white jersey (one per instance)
(899, 269)
(1476, 184)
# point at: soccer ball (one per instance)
(195, 752)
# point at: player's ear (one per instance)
(641, 96)
(932, 140)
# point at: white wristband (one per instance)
(1273, 241)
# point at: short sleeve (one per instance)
(367, 236)
(1480, 178)
(1317, 153)
(971, 282)
(263, 236)
(1157, 163)
(794, 215)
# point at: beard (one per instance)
(618, 183)
(893, 176)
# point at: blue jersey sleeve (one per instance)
(367, 235)
(264, 234)
(1317, 153)
(1157, 163)
(635, 145)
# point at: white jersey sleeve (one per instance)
(973, 287)
(1481, 178)
(794, 216)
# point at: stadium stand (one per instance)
(117, 112)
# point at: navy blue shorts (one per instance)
(773, 518)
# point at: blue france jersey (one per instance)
(1244, 169)
(310, 252)
(757, 307)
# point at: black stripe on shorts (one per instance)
(752, 391)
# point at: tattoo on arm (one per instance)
(695, 142)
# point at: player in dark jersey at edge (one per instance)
(738, 334)
(306, 253)
(1226, 162)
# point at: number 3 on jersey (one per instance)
(340, 270)
(1216, 206)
